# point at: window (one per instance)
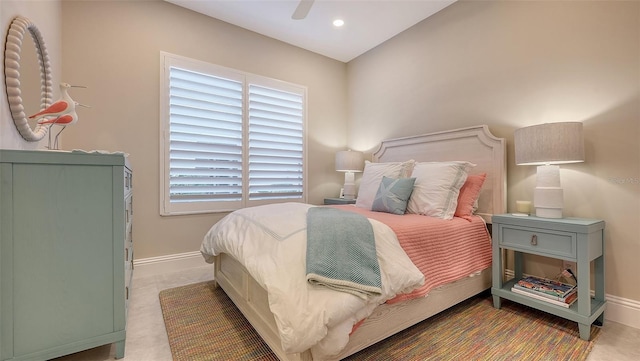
(229, 139)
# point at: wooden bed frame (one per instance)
(474, 144)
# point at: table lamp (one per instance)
(349, 162)
(547, 145)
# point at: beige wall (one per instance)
(46, 15)
(113, 48)
(514, 64)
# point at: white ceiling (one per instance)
(368, 23)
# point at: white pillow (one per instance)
(437, 186)
(372, 176)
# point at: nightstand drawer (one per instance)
(556, 244)
(339, 201)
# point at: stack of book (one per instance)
(558, 293)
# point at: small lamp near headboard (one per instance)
(547, 145)
(349, 162)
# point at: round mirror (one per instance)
(16, 55)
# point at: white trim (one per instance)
(620, 310)
(154, 266)
(623, 311)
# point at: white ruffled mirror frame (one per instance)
(20, 26)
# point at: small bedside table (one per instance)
(572, 239)
(339, 201)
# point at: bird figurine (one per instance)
(62, 112)
(66, 119)
(56, 111)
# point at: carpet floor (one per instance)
(203, 324)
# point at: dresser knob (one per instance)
(534, 240)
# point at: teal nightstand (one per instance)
(572, 239)
(339, 201)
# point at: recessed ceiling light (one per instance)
(338, 23)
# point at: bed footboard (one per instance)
(251, 299)
(386, 320)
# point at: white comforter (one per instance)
(270, 241)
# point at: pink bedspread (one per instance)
(444, 250)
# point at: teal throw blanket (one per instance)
(341, 252)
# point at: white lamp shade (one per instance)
(549, 143)
(349, 161)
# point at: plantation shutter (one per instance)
(229, 139)
(205, 137)
(275, 143)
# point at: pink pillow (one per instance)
(469, 194)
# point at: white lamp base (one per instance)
(349, 185)
(549, 212)
(548, 195)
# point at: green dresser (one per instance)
(65, 252)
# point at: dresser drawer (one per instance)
(557, 244)
(128, 210)
(128, 180)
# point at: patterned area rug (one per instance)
(203, 324)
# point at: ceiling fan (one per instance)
(302, 10)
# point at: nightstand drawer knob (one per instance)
(534, 240)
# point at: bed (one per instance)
(475, 145)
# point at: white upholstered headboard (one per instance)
(474, 144)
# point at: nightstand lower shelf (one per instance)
(571, 313)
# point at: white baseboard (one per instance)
(620, 310)
(154, 266)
